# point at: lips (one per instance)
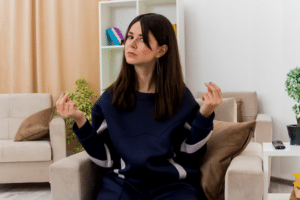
(131, 53)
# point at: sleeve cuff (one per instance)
(204, 122)
(84, 131)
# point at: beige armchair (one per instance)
(78, 178)
(28, 161)
(247, 168)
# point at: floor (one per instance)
(42, 191)
(27, 191)
(281, 185)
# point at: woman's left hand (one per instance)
(212, 99)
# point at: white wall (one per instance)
(247, 45)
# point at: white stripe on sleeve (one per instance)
(104, 163)
(122, 167)
(102, 127)
(192, 148)
(180, 169)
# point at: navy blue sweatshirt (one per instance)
(143, 151)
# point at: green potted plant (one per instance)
(293, 88)
(83, 98)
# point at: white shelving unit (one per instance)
(119, 14)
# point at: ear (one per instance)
(162, 50)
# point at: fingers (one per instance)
(62, 105)
(71, 108)
(207, 97)
(67, 110)
(213, 94)
(60, 98)
(65, 98)
(215, 89)
(211, 87)
(66, 103)
(58, 102)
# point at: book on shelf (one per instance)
(114, 36)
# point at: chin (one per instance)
(131, 62)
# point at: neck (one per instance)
(145, 78)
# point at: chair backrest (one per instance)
(14, 108)
(248, 106)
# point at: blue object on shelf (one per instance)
(111, 38)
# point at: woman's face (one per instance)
(142, 55)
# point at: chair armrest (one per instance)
(244, 177)
(57, 131)
(263, 129)
(263, 133)
(75, 178)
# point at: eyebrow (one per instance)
(132, 33)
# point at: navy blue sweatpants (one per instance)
(117, 188)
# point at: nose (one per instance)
(132, 43)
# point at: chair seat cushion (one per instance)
(25, 151)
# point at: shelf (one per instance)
(111, 57)
(157, 2)
(290, 150)
(279, 196)
(113, 47)
(118, 4)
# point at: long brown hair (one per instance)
(169, 84)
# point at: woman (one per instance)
(148, 132)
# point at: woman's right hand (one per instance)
(67, 108)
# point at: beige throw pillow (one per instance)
(36, 126)
(228, 140)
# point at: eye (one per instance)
(132, 36)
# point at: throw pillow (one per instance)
(228, 140)
(36, 126)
